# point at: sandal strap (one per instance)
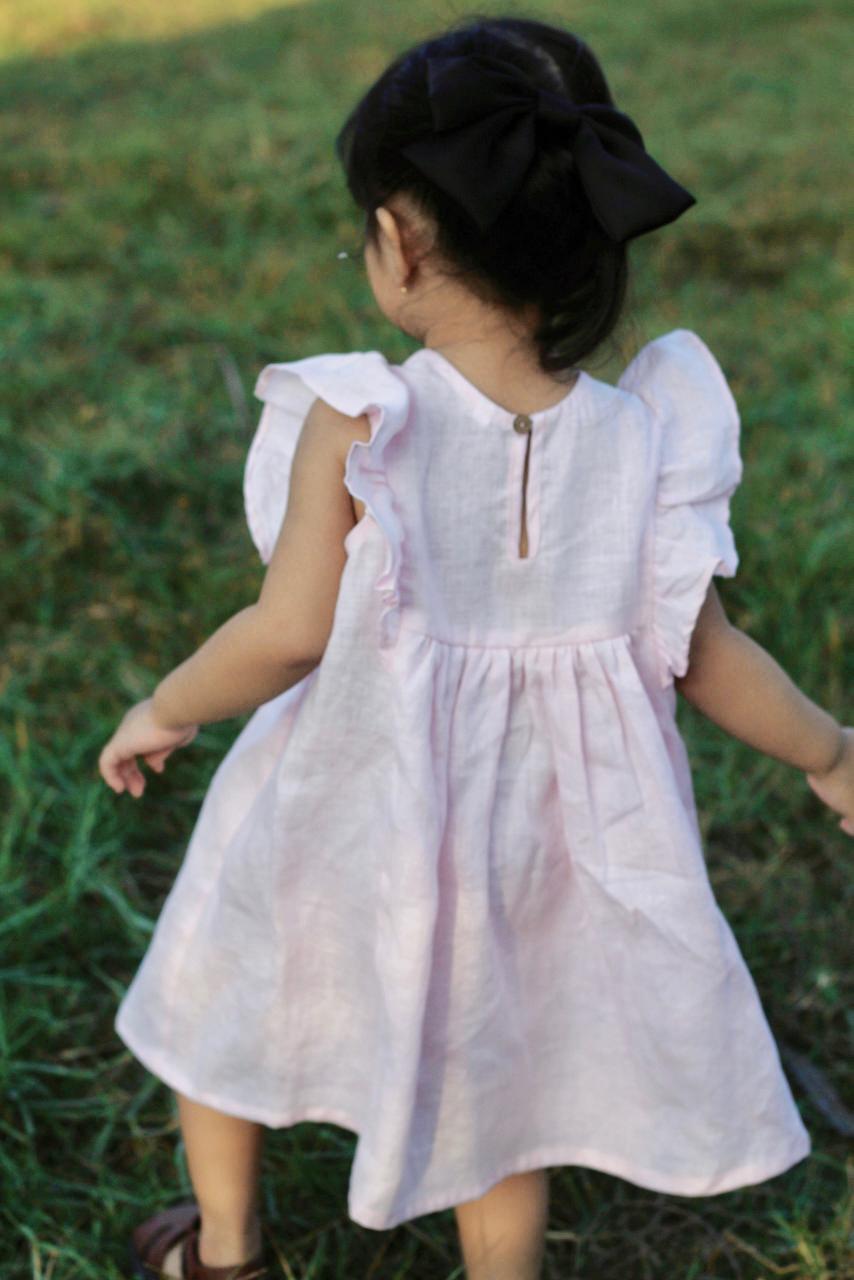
(154, 1238)
(193, 1268)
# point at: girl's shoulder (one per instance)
(366, 400)
(694, 413)
(677, 372)
(342, 379)
(698, 467)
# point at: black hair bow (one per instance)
(484, 141)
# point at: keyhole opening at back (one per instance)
(524, 426)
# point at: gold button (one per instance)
(522, 423)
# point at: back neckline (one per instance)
(486, 408)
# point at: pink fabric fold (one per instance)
(700, 468)
(354, 384)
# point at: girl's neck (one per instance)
(492, 348)
(505, 369)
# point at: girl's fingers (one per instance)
(117, 762)
(133, 778)
(110, 771)
(125, 775)
(156, 759)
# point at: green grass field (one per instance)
(171, 214)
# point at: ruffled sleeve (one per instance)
(699, 468)
(356, 383)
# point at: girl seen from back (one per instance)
(447, 888)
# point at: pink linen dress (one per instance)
(448, 891)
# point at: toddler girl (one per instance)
(447, 888)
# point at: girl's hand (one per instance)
(836, 787)
(140, 733)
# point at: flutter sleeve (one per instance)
(699, 468)
(355, 383)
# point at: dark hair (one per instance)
(546, 248)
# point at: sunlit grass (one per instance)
(52, 29)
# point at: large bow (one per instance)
(484, 141)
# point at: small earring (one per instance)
(403, 289)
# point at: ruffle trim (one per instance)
(691, 544)
(699, 468)
(356, 383)
(365, 477)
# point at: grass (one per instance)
(171, 213)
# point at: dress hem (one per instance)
(559, 1154)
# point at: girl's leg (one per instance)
(224, 1161)
(503, 1233)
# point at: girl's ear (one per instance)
(392, 242)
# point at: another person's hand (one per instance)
(140, 733)
(836, 787)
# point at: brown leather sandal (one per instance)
(152, 1240)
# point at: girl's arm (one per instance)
(739, 686)
(236, 669)
(269, 646)
(733, 681)
(272, 644)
